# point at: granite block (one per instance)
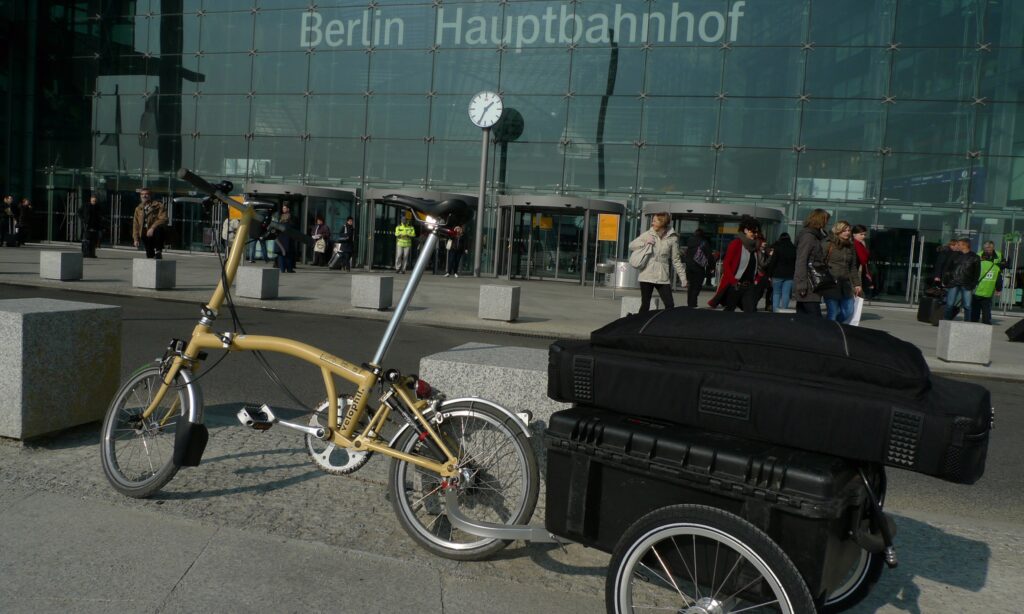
(631, 304)
(154, 274)
(499, 303)
(372, 291)
(61, 364)
(65, 266)
(969, 342)
(257, 282)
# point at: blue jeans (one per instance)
(252, 249)
(839, 309)
(782, 289)
(965, 295)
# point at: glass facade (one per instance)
(898, 114)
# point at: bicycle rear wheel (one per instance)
(498, 481)
(138, 454)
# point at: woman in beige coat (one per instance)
(657, 271)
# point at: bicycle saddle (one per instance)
(452, 212)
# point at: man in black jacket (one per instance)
(960, 277)
(946, 254)
(92, 223)
(698, 264)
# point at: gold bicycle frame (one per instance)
(343, 435)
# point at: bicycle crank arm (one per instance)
(525, 532)
(262, 418)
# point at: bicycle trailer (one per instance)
(612, 469)
(800, 382)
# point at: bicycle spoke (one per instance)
(693, 576)
(753, 607)
(669, 575)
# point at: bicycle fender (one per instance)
(508, 413)
(189, 444)
(195, 397)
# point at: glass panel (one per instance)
(759, 25)
(278, 158)
(219, 155)
(222, 115)
(1004, 21)
(676, 170)
(337, 116)
(279, 115)
(986, 225)
(587, 167)
(894, 242)
(543, 116)
(457, 163)
(838, 175)
(279, 30)
(400, 72)
(621, 119)
(598, 23)
(934, 74)
(843, 124)
(680, 121)
(534, 166)
(765, 71)
(519, 71)
(759, 122)
(993, 183)
(591, 67)
(952, 23)
(406, 27)
(283, 4)
(465, 71)
(334, 160)
(336, 28)
(280, 73)
(753, 173)
(929, 127)
(1000, 74)
(398, 117)
(226, 73)
(999, 129)
(224, 32)
(868, 22)
(684, 71)
(396, 161)
(449, 118)
(925, 179)
(845, 72)
(338, 72)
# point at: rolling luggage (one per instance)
(1016, 332)
(930, 310)
(800, 382)
(613, 469)
(335, 263)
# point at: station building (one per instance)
(897, 114)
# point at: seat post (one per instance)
(414, 279)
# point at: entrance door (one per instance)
(546, 246)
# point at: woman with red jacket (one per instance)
(860, 234)
(741, 270)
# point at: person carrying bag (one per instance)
(655, 253)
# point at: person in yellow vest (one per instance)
(404, 234)
(990, 282)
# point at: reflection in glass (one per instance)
(838, 175)
(676, 170)
(929, 127)
(926, 178)
(680, 121)
(765, 173)
(759, 122)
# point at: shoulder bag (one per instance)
(639, 258)
(821, 277)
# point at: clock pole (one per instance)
(478, 240)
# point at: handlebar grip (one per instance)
(200, 183)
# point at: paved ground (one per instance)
(257, 528)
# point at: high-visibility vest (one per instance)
(989, 278)
(404, 234)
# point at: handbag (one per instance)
(821, 278)
(638, 259)
(320, 246)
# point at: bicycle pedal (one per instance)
(255, 418)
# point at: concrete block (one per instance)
(964, 342)
(513, 377)
(61, 364)
(372, 291)
(499, 303)
(631, 304)
(154, 274)
(65, 266)
(257, 282)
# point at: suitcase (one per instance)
(605, 471)
(1016, 332)
(930, 310)
(335, 263)
(784, 380)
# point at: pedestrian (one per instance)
(228, 231)
(321, 234)
(841, 258)
(404, 234)
(662, 242)
(944, 254)
(457, 246)
(92, 225)
(347, 243)
(148, 224)
(285, 244)
(960, 276)
(699, 265)
(8, 221)
(990, 282)
(809, 254)
(24, 227)
(738, 286)
(860, 235)
(258, 235)
(781, 264)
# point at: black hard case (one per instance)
(606, 470)
(930, 310)
(795, 381)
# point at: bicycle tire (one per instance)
(138, 458)
(672, 578)
(472, 432)
(865, 573)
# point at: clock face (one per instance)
(485, 109)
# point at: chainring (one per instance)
(328, 457)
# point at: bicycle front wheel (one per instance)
(137, 453)
(695, 559)
(498, 481)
